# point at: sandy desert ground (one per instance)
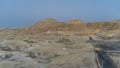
(70, 45)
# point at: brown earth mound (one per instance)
(73, 27)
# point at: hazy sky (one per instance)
(18, 13)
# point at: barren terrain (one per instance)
(53, 44)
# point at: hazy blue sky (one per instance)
(18, 13)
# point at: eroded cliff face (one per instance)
(70, 28)
(73, 27)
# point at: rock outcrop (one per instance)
(70, 28)
(73, 27)
(45, 44)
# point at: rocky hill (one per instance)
(73, 27)
(53, 44)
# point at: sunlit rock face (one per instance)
(72, 27)
(53, 44)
